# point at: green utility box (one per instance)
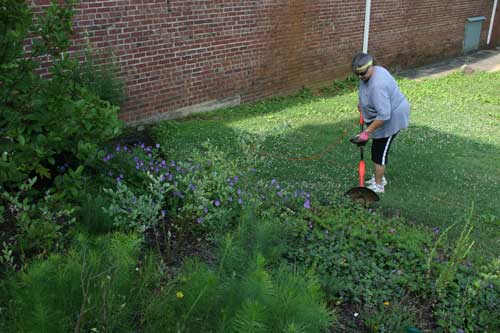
(472, 36)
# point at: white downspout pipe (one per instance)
(491, 21)
(367, 24)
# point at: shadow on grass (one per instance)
(434, 177)
(278, 104)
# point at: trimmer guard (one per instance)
(362, 195)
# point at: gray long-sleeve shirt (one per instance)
(381, 99)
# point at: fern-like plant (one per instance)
(243, 291)
(98, 285)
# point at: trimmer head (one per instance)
(362, 195)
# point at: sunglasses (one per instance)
(362, 73)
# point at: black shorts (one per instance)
(380, 149)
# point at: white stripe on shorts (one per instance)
(387, 144)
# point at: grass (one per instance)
(447, 161)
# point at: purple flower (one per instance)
(240, 201)
(117, 147)
(199, 220)
(230, 199)
(205, 210)
(238, 191)
(172, 163)
(273, 181)
(157, 145)
(307, 204)
(191, 187)
(163, 212)
(280, 194)
(459, 330)
(436, 230)
(217, 203)
(235, 179)
(162, 178)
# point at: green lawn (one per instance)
(447, 161)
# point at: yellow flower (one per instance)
(386, 303)
(179, 294)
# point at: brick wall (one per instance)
(181, 56)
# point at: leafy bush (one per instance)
(91, 215)
(362, 258)
(51, 127)
(203, 193)
(471, 300)
(99, 285)
(244, 292)
(46, 122)
(32, 227)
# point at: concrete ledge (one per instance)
(190, 110)
(483, 60)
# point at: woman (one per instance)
(385, 110)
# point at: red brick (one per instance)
(178, 53)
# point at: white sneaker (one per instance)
(372, 181)
(377, 188)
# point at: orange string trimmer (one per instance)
(361, 166)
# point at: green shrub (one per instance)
(46, 123)
(32, 227)
(471, 300)
(243, 292)
(362, 258)
(99, 285)
(51, 127)
(190, 197)
(92, 216)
